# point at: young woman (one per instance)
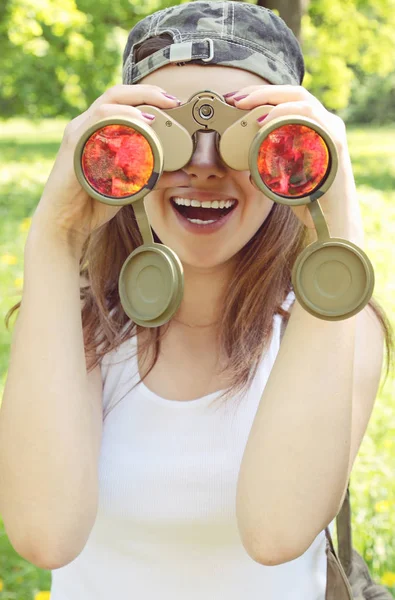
(117, 473)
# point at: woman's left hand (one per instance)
(340, 202)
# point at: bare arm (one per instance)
(307, 432)
(50, 426)
(51, 417)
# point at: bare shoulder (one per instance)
(369, 345)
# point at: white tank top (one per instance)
(166, 524)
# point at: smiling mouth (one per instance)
(202, 214)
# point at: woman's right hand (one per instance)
(65, 209)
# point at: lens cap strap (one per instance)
(142, 221)
(319, 220)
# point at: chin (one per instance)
(201, 256)
(208, 261)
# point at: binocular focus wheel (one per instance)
(333, 280)
(151, 285)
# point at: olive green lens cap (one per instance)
(151, 285)
(333, 280)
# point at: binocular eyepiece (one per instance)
(292, 160)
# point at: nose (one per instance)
(205, 163)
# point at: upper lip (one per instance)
(201, 195)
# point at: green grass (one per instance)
(27, 153)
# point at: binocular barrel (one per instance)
(292, 160)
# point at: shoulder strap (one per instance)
(343, 519)
(344, 535)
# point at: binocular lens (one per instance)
(293, 160)
(117, 161)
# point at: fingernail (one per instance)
(147, 116)
(229, 94)
(240, 97)
(262, 118)
(171, 97)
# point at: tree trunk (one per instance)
(290, 10)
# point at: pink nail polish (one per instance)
(171, 97)
(261, 119)
(147, 116)
(229, 94)
(240, 97)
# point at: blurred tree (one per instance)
(344, 42)
(58, 56)
(291, 11)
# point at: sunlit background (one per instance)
(58, 56)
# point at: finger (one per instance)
(126, 95)
(104, 111)
(305, 109)
(133, 95)
(107, 110)
(271, 94)
(328, 121)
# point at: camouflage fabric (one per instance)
(230, 33)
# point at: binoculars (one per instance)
(292, 160)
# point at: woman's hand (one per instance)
(340, 203)
(66, 211)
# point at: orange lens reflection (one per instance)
(117, 161)
(293, 160)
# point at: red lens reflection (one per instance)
(293, 160)
(117, 161)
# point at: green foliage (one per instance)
(31, 149)
(345, 42)
(58, 56)
(373, 100)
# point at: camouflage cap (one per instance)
(229, 33)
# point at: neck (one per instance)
(202, 303)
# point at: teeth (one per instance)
(199, 222)
(206, 204)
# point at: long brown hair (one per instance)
(261, 282)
